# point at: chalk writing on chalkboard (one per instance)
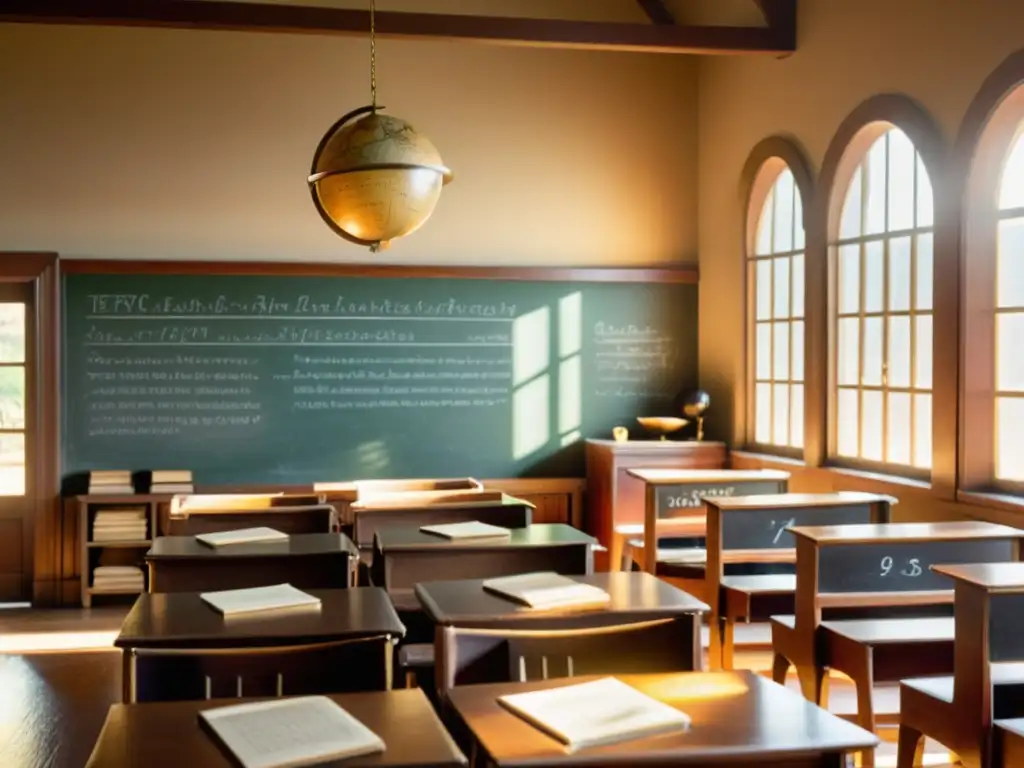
(694, 498)
(630, 358)
(911, 568)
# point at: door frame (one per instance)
(42, 457)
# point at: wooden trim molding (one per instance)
(766, 161)
(40, 271)
(864, 124)
(675, 273)
(778, 37)
(986, 134)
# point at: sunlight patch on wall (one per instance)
(531, 345)
(530, 416)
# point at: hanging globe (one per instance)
(374, 178)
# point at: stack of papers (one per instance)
(470, 530)
(240, 536)
(118, 578)
(547, 589)
(604, 711)
(232, 602)
(124, 524)
(306, 730)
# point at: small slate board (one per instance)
(766, 528)
(1006, 628)
(902, 567)
(674, 500)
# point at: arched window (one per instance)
(775, 276)
(881, 265)
(1009, 312)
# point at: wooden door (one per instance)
(17, 497)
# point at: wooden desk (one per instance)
(306, 561)
(404, 557)
(739, 718)
(959, 711)
(169, 735)
(1008, 743)
(311, 518)
(614, 497)
(183, 620)
(676, 496)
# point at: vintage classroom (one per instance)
(796, 225)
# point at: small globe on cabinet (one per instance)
(375, 179)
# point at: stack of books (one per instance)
(118, 578)
(121, 524)
(110, 481)
(171, 481)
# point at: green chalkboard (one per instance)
(285, 379)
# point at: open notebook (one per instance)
(241, 536)
(468, 530)
(547, 589)
(287, 733)
(604, 711)
(232, 602)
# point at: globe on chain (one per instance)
(374, 178)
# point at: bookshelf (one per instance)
(130, 551)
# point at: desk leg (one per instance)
(126, 676)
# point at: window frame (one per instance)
(764, 165)
(994, 122)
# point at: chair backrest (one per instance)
(318, 518)
(165, 674)
(492, 656)
(195, 503)
(378, 514)
(367, 489)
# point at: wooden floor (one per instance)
(59, 674)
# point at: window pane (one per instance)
(871, 374)
(12, 397)
(1011, 192)
(874, 220)
(871, 425)
(763, 413)
(780, 435)
(764, 228)
(796, 416)
(874, 276)
(797, 353)
(923, 431)
(899, 274)
(763, 351)
(847, 422)
(12, 333)
(849, 279)
(781, 352)
(923, 289)
(1009, 452)
(12, 465)
(763, 285)
(1009, 359)
(798, 285)
(798, 221)
(925, 202)
(851, 220)
(899, 353)
(1010, 270)
(902, 161)
(782, 228)
(898, 449)
(923, 352)
(781, 287)
(849, 350)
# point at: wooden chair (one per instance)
(674, 508)
(469, 656)
(988, 671)
(176, 674)
(888, 615)
(343, 495)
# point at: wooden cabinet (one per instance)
(613, 497)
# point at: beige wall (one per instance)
(936, 51)
(134, 143)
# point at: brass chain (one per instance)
(373, 56)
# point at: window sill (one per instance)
(1000, 501)
(880, 477)
(769, 459)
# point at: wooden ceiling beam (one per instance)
(781, 17)
(259, 17)
(656, 11)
